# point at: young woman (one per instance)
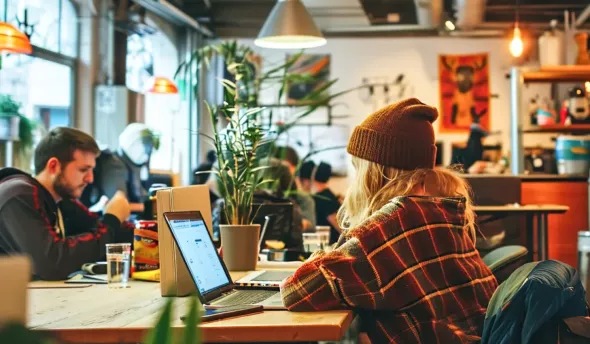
(406, 260)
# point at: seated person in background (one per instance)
(40, 217)
(326, 203)
(407, 260)
(304, 176)
(126, 170)
(201, 177)
(289, 158)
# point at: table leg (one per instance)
(530, 243)
(543, 220)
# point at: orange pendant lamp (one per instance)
(13, 40)
(162, 85)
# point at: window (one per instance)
(157, 55)
(140, 62)
(43, 83)
(42, 87)
(51, 24)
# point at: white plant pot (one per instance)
(9, 127)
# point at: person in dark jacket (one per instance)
(305, 174)
(41, 217)
(530, 305)
(126, 169)
(326, 202)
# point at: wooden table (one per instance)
(97, 314)
(535, 214)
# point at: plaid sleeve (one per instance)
(339, 279)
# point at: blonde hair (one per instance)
(375, 185)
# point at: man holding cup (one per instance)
(41, 217)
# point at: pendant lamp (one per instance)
(162, 85)
(13, 41)
(289, 26)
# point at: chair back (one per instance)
(505, 260)
(16, 272)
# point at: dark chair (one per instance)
(503, 261)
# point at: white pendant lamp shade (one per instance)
(289, 26)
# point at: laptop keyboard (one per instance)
(244, 297)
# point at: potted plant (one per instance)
(240, 153)
(14, 126)
(247, 138)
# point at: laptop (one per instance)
(16, 272)
(214, 284)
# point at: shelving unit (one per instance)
(553, 74)
(560, 129)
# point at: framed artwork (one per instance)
(315, 66)
(464, 92)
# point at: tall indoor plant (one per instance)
(240, 153)
(247, 142)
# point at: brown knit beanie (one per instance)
(399, 136)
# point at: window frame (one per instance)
(59, 58)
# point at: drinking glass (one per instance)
(118, 262)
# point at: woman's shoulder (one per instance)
(408, 212)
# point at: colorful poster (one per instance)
(315, 67)
(464, 92)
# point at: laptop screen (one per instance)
(199, 254)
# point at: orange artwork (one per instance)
(464, 92)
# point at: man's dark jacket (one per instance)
(29, 225)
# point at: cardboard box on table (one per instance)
(175, 279)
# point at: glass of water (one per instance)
(118, 262)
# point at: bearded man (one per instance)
(41, 217)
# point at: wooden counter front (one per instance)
(563, 229)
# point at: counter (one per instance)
(563, 229)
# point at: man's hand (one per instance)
(118, 206)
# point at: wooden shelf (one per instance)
(558, 74)
(559, 128)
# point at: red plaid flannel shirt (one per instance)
(411, 271)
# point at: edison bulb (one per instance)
(516, 45)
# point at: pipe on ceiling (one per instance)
(171, 13)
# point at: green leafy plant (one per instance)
(151, 136)
(240, 152)
(17, 333)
